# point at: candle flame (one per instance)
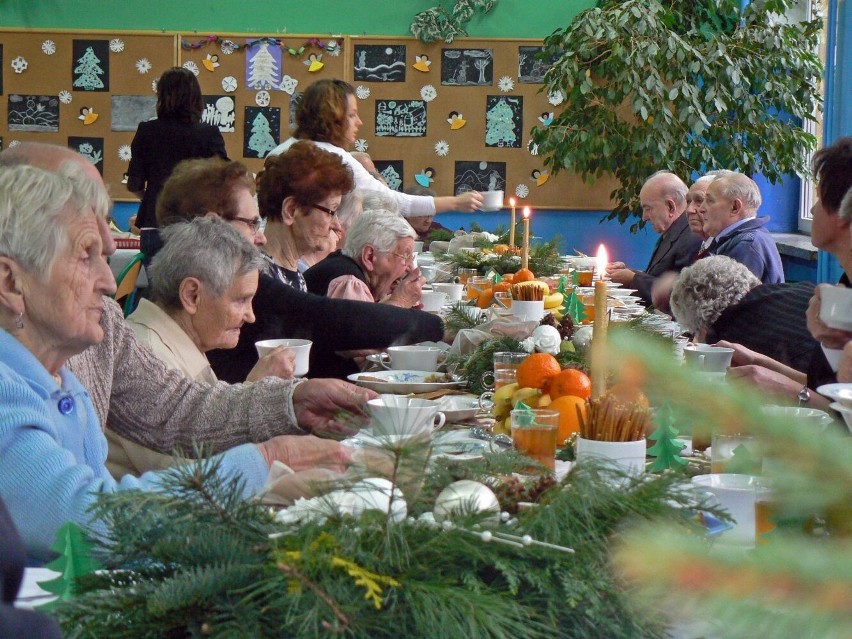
(602, 260)
(526, 211)
(511, 201)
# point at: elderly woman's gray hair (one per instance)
(207, 248)
(705, 289)
(742, 187)
(37, 208)
(381, 229)
(378, 201)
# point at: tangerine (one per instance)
(570, 408)
(508, 278)
(537, 369)
(628, 393)
(501, 249)
(502, 287)
(524, 275)
(571, 382)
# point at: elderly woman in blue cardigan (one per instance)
(52, 279)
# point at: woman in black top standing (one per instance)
(177, 134)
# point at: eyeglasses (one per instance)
(256, 225)
(324, 209)
(408, 258)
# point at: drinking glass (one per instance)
(734, 454)
(534, 434)
(466, 273)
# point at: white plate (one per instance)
(812, 416)
(458, 407)
(402, 382)
(460, 446)
(620, 292)
(845, 412)
(831, 390)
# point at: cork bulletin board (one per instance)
(85, 90)
(457, 117)
(251, 93)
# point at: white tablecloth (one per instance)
(120, 259)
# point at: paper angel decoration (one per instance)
(314, 62)
(456, 120)
(88, 115)
(211, 62)
(422, 63)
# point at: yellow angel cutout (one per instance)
(422, 63)
(211, 62)
(88, 115)
(456, 120)
(540, 177)
(314, 62)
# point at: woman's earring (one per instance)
(19, 321)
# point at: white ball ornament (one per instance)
(379, 494)
(582, 336)
(465, 497)
(547, 339)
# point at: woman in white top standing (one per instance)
(328, 116)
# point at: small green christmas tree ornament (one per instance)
(496, 278)
(667, 448)
(560, 288)
(572, 306)
(74, 561)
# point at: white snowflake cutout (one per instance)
(261, 98)
(228, 47)
(20, 64)
(362, 92)
(522, 190)
(143, 66)
(332, 48)
(48, 47)
(154, 86)
(65, 97)
(229, 83)
(116, 45)
(124, 153)
(361, 145)
(288, 85)
(556, 97)
(189, 65)
(428, 93)
(442, 148)
(506, 84)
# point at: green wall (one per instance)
(509, 18)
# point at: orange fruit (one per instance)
(485, 298)
(624, 392)
(571, 382)
(502, 287)
(569, 421)
(524, 275)
(501, 249)
(509, 278)
(537, 369)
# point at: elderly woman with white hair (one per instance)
(376, 263)
(53, 277)
(718, 298)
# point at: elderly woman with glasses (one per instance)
(376, 263)
(299, 193)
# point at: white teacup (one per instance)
(835, 309)
(528, 311)
(418, 247)
(628, 456)
(736, 494)
(414, 358)
(492, 200)
(454, 292)
(403, 417)
(707, 358)
(433, 301)
(302, 348)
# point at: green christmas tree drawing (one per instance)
(74, 561)
(88, 71)
(261, 140)
(499, 125)
(667, 448)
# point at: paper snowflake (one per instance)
(556, 97)
(428, 93)
(332, 48)
(522, 190)
(154, 86)
(124, 153)
(229, 83)
(191, 66)
(65, 97)
(288, 85)
(442, 148)
(48, 47)
(362, 92)
(361, 145)
(228, 47)
(143, 66)
(261, 98)
(532, 147)
(116, 45)
(506, 84)
(20, 64)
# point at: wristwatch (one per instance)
(804, 395)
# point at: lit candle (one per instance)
(598, 356)
(512, 227)
(525, 255)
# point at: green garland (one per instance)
(439, 24)
(544, 259)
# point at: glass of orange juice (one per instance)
(465, 274)
(534, 434)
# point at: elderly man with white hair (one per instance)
(663, 200)
(730, 211)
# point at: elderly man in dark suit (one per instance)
(663, 200)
